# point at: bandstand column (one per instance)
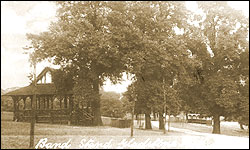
(15, 98)
(17, 103)
(24, 102)
(71, 102)
(65, 101)
(39, 102)
(33, 102)
(60, 99)
(51, 98)
(47, 98)
(44, 104)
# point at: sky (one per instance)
(21, 17)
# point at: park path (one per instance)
(212, 140)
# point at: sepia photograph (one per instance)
(124, 74)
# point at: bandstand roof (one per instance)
(41, 88)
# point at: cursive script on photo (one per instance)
(93, 144)
(43, 143)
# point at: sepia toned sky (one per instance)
(21, 17)
(17, 19)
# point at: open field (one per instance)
(16, 135)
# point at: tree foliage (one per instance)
(224, 31)
(83, 39)
(201, 70)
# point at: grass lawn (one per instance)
(16, 135)
(227, 128)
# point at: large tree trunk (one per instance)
(154, 115)
(97, 121)
(187, 117)
(241, 127)
(216, 124)
(148, 121)
(169, 121)
(161, 123)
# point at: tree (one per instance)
(87, 39)
(111, 108)
(111, 105)
(149, 95)
(127, 106)
(161, 54)
(216, 90)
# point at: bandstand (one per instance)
(48, 106)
